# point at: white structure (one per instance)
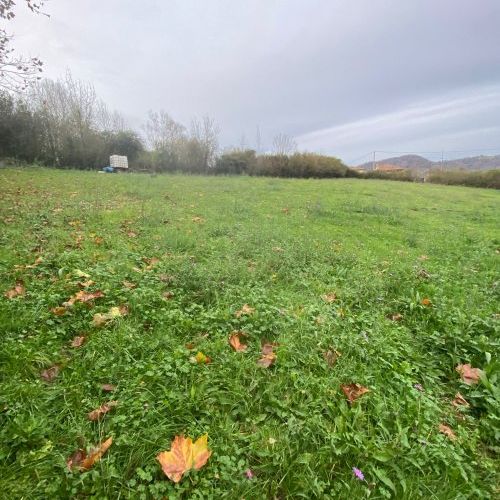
(118, 162)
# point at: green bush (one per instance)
(485, 178)
(236, 162)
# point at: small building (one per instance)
(388, 167)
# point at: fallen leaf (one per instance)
(423, 257)
(354, 391)
(395, 317)
(469, 375)
(168, 295)
(444, 429)
(129, 285)
(17, 291)
(101, 319)
(58, 311)
(189, 345)
(81, 461)
(198, 219)
(235, 341)
(96, 414)
(426, 302)
(150, 262)
(329, 297)
(285, 210)
(459, 400)
(245, 310)
(132, 234)
(38, 261)
(78, 341)
(201, 358)
(184, 456)
(83, 296)
(268, 355)
(50, 373)
(331, 357)
(424, 274)
(108, 387)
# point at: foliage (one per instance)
(328, 281)
(485, 179)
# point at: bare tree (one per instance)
(162, 131)
(284, 145)
(16, 72)
(206, 131)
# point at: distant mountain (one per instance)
(416, 162)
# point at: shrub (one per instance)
(485, 178)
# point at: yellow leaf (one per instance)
(184, 456)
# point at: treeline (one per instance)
(64, 124)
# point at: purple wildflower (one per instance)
(418, 387)
(358, 473)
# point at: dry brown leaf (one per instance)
(150, 262)
(98, 240)
(331, 356)
(469, 375)
(50, 373)
(129, 285)
(78, 341)
(246, 310)
(101, 319)
(395, 317)
(38, 261)
(329, 297)
(58, 311)
(83, 462)
(132, 234)
(183, 456)
(268, 355)
(426, 302)
(444, 429)
(235, 341)
(354, 391)
(96, 414)
(17, 291)
(83, 297)
(459, 400)
(198, 219)
(108, 387)
(168, 295)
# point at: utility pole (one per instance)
(442, 161)
(373, 161)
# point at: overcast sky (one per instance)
(344, 77)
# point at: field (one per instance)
(384, 284)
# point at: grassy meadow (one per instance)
(384, 284)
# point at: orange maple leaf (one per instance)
(102, 410)
(444, 429)
(82, 461)
(235, 341)
(354, 391)
(469, 375)
(17, 291)
(184, 456)
(268, 355)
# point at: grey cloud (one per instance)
(294, 66)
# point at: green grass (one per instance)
(290, 424)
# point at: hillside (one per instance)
(417, 162)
